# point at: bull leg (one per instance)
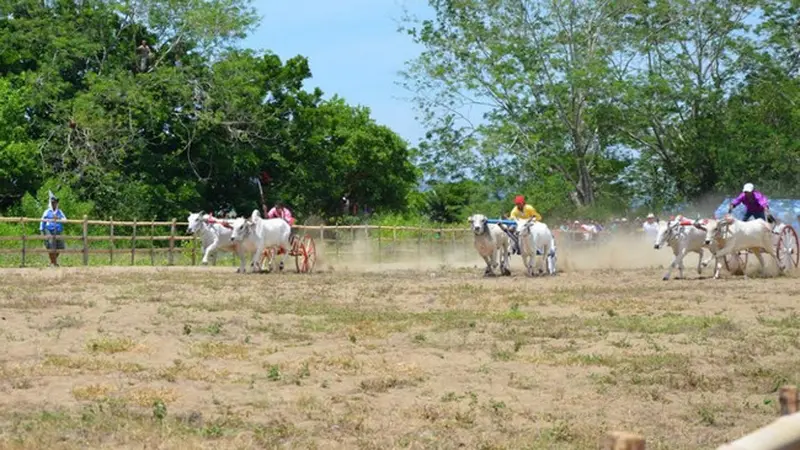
(504, 258)
(672, 265)
(209, 250)
(528, 258)
(488, 272)
(287, 248)
(240, 252)
(255, 263)
(717, 267)
(525, 262)
(545, 265)
(681, 255)
(272, 257)
(720, 257)
(700, 262)
(543, 262)
(551, 259)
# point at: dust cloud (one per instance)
(621, 251)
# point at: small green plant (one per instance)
(274, 373)
(159, 410)
(215, 328)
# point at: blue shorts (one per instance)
(53, 242)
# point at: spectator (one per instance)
(650, 226)
(51, 230)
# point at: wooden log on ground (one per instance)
(620, 440)
(789, 400)
(782, 434)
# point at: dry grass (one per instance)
(204, 358)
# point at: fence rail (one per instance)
(781, 434)
(129, 238)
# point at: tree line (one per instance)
(595, 104)
(148, 108)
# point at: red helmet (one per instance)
(519, 200)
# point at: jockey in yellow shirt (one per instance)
(522, 211)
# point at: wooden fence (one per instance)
(126, 239)
(781, 434)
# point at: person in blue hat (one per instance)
(51, 229)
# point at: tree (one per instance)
(193, 129)
(18, 154)
(540, 70)
(683, 60)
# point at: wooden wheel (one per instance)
(788, 248)
(736, 263)
(305, 254)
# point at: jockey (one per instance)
(522, 211)
(755, 203)
(281, 211)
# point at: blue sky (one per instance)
(354, 50)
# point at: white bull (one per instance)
(536, 237)
(732, 235)
(256, 234)
(492, 243)
(213, 237)
(683, 237)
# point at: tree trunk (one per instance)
(585, 183)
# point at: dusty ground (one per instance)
(425, 358)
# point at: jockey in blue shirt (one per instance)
(52, 229)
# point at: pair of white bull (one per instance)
(494, 244)
(241, 236)
(721, 237)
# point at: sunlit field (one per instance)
(429, 357)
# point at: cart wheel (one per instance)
(788, 248)
(736, 263)
(306, 256)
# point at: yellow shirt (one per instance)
(526, 213)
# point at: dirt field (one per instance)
(425, 358)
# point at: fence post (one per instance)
(152, 242)
(617, 440)
(321, 234)
(24, 239)
(379, 244)
(85, 240)
(111, 246)
(442, 243)
(172, 241)
(788, 397)
(194, 249)
(419, 240)
(133, 243)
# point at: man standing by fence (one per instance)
(51, 230)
